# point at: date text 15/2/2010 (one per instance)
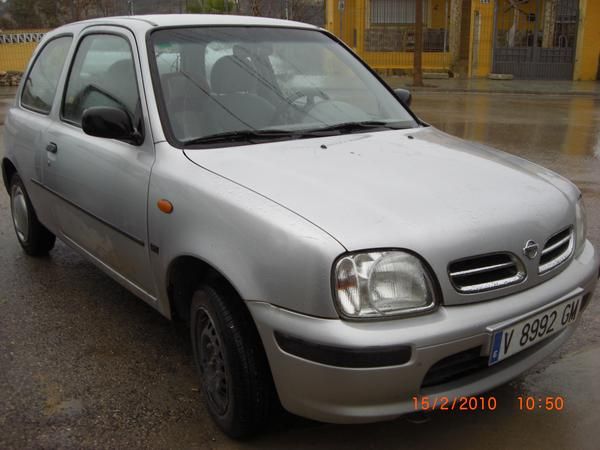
(483, 403)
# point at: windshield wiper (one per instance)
(241, 136)
(262, 135)
(351, 127)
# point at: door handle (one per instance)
(52, 147)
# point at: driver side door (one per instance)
(101, 185)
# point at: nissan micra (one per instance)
(330, 251)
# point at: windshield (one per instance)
(271, 83)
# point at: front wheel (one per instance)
(34, 237)
(235, 377)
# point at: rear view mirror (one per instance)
(404, 96)
(111, 123)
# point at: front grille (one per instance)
(486, 272)
(557, 250)
(455, 367)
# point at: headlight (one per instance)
(580, 226)
(381, 284)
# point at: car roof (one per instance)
(144, 22)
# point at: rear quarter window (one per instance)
(40, 85)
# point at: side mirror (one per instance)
(404, 96)
(110, 122)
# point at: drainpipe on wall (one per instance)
(577, 69)
(476, 34)
(418, 54)
(454, 31)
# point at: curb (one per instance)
(490, 91)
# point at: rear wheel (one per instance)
(34, 237)
(235, 377)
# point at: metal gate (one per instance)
(535, 39)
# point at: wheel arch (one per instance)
(8, 170)
(184, 274)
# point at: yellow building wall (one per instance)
(355, 22)
(329, 15)
(482, 35)
(437, 13)
(588, 41)
(14, 57)
(405, 60)
(343, 25)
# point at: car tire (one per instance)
(34, 237)
(236, 381)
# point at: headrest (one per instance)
(121, 76)
(232, 74)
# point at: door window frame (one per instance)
(80, 39)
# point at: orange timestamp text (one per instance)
(485, 403)
(465, 403)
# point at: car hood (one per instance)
(421, 189)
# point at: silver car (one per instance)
(329, 251)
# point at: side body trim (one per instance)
(83, 210)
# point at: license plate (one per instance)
(527, 332)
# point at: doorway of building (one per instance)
(535, 39)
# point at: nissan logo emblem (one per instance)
(531, 249)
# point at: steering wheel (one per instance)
(288, 102)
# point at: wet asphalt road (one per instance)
(83, 363)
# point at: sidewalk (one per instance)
(484, 85)
(7, 91)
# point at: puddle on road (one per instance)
(561, 133)
(526, 125)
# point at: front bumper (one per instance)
(342, 394)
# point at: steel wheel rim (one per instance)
(20, 213)
(211, 361)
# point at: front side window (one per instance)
(263, 82)
(39, 89)
(103, 74)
